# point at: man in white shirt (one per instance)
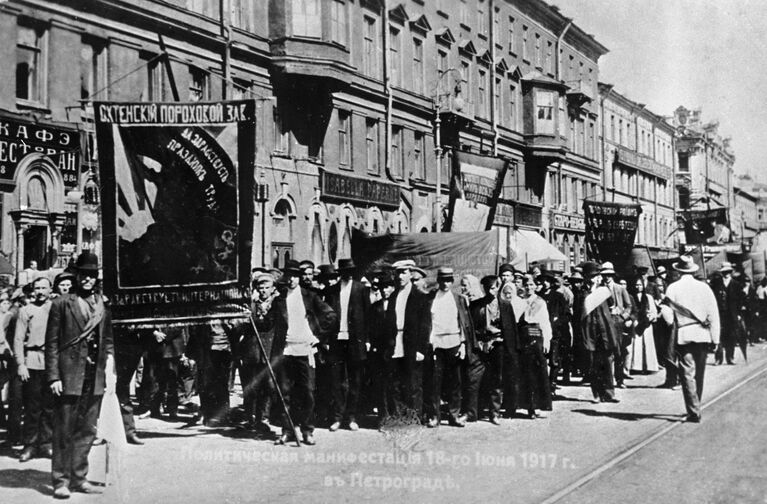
(697, 315)
(302, 321)
(450, 326)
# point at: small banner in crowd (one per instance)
(475, 186)
(177, 208)
(467, 253)
(610, 230)
(706, 227)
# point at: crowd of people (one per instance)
(395, 344)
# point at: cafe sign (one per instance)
(19, 139)
(367, 191)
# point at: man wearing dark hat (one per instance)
(697, 317)
(450, 329)
(348, 348)
(302, 321)
(600, 335)
(388, 385)
(559, 316)
(729, 297)
(79, 366)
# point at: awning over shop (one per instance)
(528, 247)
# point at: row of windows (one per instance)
(621, 132)
(654, 230)
(642, 185)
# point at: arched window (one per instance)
(37, 197)
(282, 219)
(333, 242)
(317, 245)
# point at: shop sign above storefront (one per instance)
(19, 139)
(369, 192)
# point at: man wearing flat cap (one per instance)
(450, 331)
(348, 347)
(79, 366)
(302, 321)
(406, 326)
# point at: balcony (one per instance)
(308, 46)
(579, 94)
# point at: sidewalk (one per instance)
(518, 461)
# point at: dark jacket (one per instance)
(559, 314)
(65, 324)
(379, 334)
(323, 321)
(359, 307)
(508, 325)
(415, 336)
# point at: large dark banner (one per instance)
(178, 208)
(475, 185)
(706, 226)
(610, 230)
(467, 253)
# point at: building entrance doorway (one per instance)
(36, 247)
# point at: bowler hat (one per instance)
(87, 261)
(292, 267)
(345, 265)
(327, 271)
(504, 268)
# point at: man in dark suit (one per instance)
(347, 348)
(302, 321)
(407, 328)
(729, 298)
(79, 365)
(508, 319)
(388, 387)
(622, 310)
(167, 347)
(450, 332)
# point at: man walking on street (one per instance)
(697, 317)
(29, 349)
(79, 365)
(622, 310)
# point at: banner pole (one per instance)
(274, 378)
(703, 261)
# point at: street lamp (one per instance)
(261, 195)
(458, 101)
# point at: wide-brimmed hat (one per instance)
(404, 264)
(726, 266)
(327, 271)
(591, 269)
(346, 265)
(607, 268)
(685, 264)
(87, 261)
(445, 273)
(292, 267)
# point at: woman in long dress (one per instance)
(642, 354)
(535, 337)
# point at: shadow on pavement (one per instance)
(629, 417)
(26, 478)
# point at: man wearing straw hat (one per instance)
(697, 316)
(79, 365)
